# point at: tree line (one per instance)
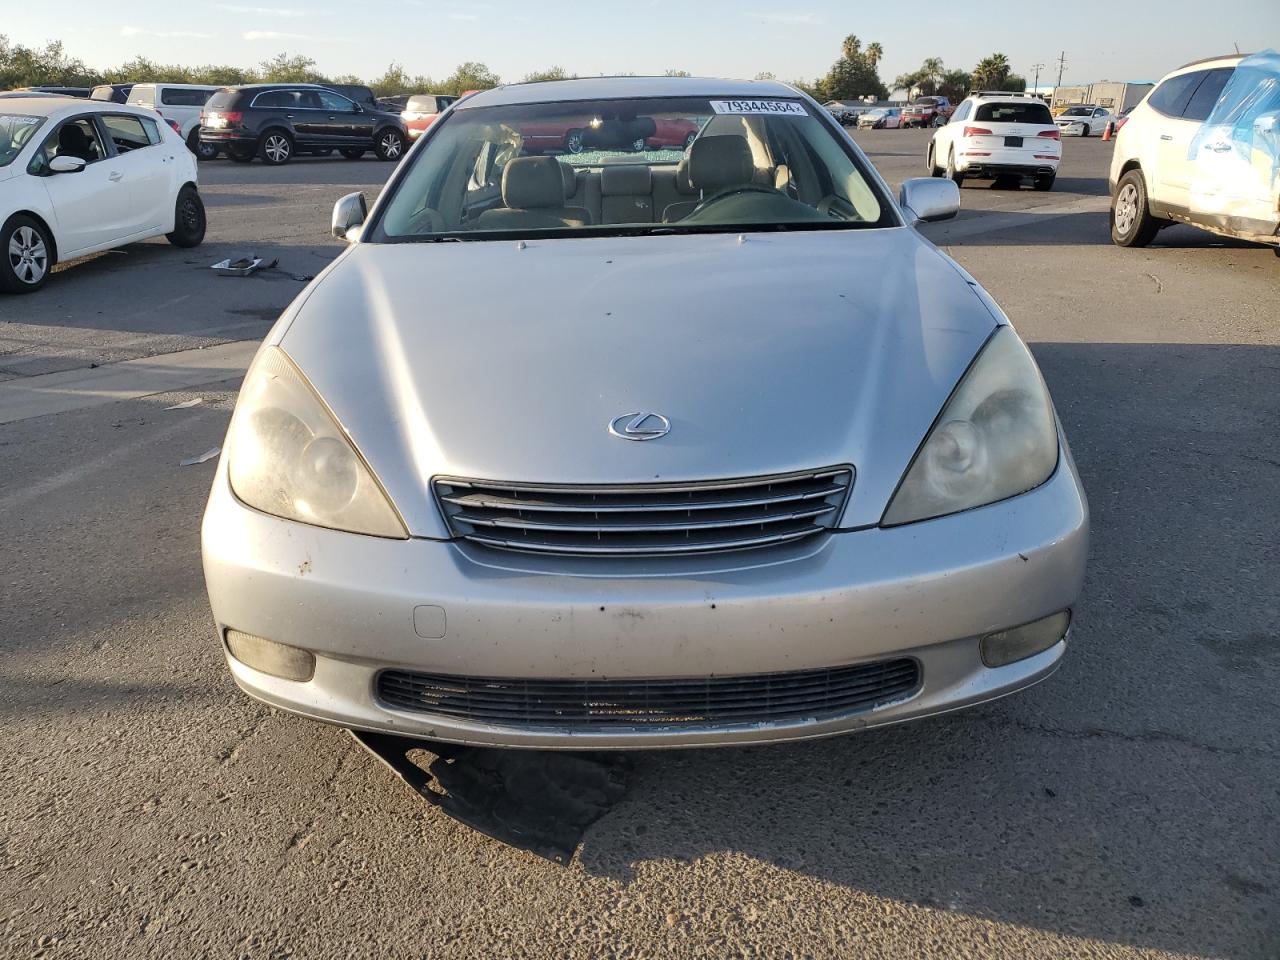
(853, 76)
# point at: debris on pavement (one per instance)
(242, 267)
(187, 404)
(539, 801)
(203, 458)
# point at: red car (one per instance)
(421, 111)
(567, 134)
(927, 112)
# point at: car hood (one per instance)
(772, 353)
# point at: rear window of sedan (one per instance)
(1014, 113)
(16, 131)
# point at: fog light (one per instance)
(1010, 646)
(288, 663)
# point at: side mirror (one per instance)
(66, 165)
(930, 199)
(349, 214)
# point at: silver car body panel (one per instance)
(763, 364)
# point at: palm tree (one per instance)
(875, 53)
(991, 72)
(932, 69)
(852, 47)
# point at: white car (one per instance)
(80, 176)
(995, 136)
(1203, 148)
(1085, 120)
(182, 103)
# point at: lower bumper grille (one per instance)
(676, 703)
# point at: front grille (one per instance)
(595, 704)
(645, 519)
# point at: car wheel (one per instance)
(573, 142)
(688, 141)
(1132, 224)
(1044, 182)
(390, 145)
(325, 152)
(952, 172)
(26, 255)
(240, 156)
(202, 150)
(930, 163)
(276, 148)
(638, 146)
(1084, 131)
(188, 220)
(352, 153)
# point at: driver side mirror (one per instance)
(349, 215)
(66, 165)
(929, 199)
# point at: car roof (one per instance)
(165, 83)
(55, 107)
(1226, 60)
(622, 88)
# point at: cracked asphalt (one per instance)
(1128, 807)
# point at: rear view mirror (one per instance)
(349, 215)
(66, 165)
(930, 199)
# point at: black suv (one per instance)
(275, 121)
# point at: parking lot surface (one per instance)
(1127, 807)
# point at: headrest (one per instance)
(570, 180)
(626, 180)
(683, 184)
(531, 183)
(719, 162)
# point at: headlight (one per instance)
(996, 438)
(287, 456)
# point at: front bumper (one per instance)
(926, 591)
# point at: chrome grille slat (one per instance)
(645, 519)
(680, 702)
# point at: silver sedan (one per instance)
(642, 447)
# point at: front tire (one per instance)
(573, 142)
(188, 220)
(390, 145)
(276, 148)
(1132, 224)
(239, 155)
(1084, 131)
(353, 153)
(26, 255)
(952, 173)
(929, 163)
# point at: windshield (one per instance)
(630, 166)
(926, 102)
(16, 130)
(1078, 112)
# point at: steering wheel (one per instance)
(728, 192)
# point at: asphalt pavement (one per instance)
(1127, 807)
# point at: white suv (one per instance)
(181, 103)
(1203, 148)
(995, 135)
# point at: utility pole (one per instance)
(1037, 67)
(1062, 65)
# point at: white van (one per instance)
(181, 103)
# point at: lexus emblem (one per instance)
(640, 426)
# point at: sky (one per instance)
(1104, 40)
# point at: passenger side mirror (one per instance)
(349, 215)
(930, 199)
(66, 165)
